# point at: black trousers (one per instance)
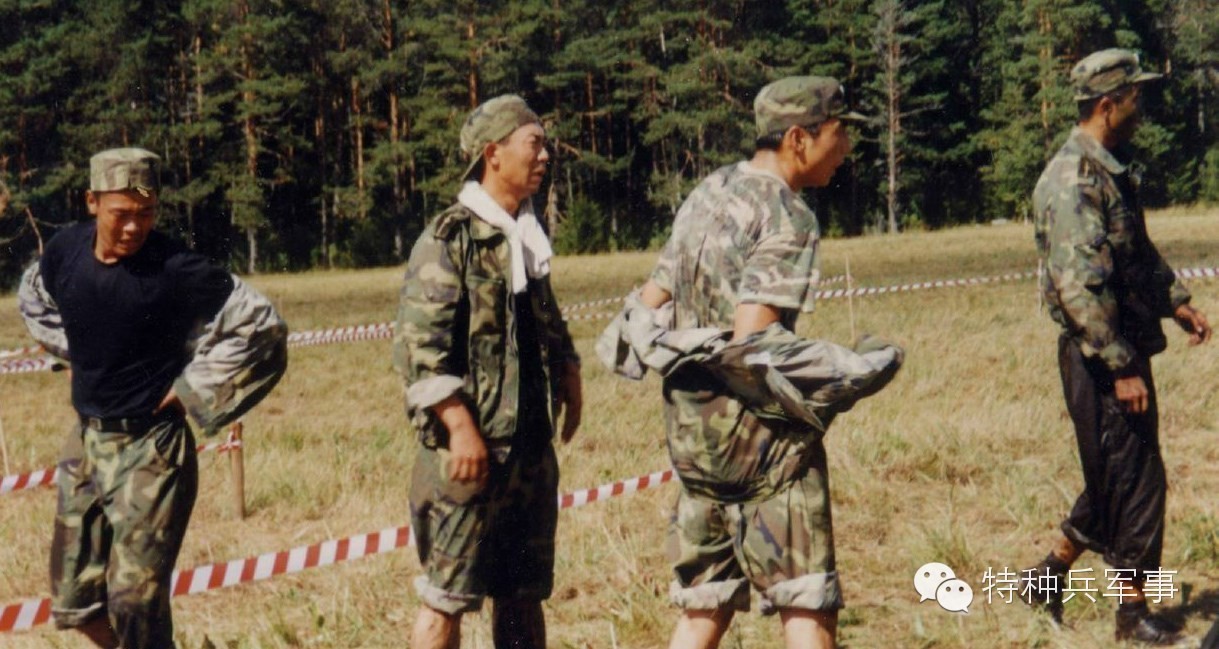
(1121, 510)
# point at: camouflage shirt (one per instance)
(742, 236)
(1105, 282)
(455, 332)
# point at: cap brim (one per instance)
(470, 169)
(852, 116)
(1144, 77)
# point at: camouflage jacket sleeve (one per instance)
(237, 358)
(41, 314)
(427, 318)
(1080, 266)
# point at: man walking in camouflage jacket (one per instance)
(488, 365)
(152, 331)
(754, 507)
(1107, 286)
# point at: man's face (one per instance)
(124, 220)
(1126, 114)
(825, 152)
(520, 159)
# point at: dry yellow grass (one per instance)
(966, 458)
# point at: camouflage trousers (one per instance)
(124, 503)
(494, 540)
(783, 546)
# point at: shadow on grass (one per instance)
(1203, 604)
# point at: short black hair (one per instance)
(769, 142)
(773, 140)
(1088, 106)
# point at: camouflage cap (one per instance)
(1107, 70)
(116, 170)
(492, 121)
(800, 101)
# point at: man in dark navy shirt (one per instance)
(129, 299)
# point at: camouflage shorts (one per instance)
(783, 546)
(124, 503)
(496, 541)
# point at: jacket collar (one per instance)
(1096, 151)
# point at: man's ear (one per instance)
(490, 157)
(91, 202)
(794, 140)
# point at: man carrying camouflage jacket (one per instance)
(488, 365)
(151, 331)
(1108, 288)
(754, 507)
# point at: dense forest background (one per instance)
(321, 133)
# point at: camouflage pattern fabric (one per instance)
(1102, 72)
(783, 546)
(40, 313)
(236, 359)
(741, 236)
(494, 541)
(124, 504)
(800, 101)
(122, 169)
(742, 417)
(492, 121)
(455, 326)
(1105, 282)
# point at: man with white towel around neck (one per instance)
(488, 366)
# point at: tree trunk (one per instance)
(249, 132)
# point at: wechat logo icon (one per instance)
(937, 581)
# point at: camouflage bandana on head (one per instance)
(1103, 72)
(116, 170)
(800, 101)
(492, 121)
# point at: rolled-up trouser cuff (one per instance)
(71, 618)
(730, 593)
(444, 601)
(815, 592)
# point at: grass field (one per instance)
(966, 459)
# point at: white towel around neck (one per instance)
(531, 251)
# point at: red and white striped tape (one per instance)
(377, 331)
(43, 477)
(385, 330)
(30, 613)
(21, 351)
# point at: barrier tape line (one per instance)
(385, 330)
(43, 477)
(25, 615)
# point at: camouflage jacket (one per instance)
(236, 358)
(743, 416)
(1104, 280)
(456, 324)
(742, 236)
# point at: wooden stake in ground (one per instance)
(237, 470)
(4, 448)
(850, 298)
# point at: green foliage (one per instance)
(326, 132)
(585, 230)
